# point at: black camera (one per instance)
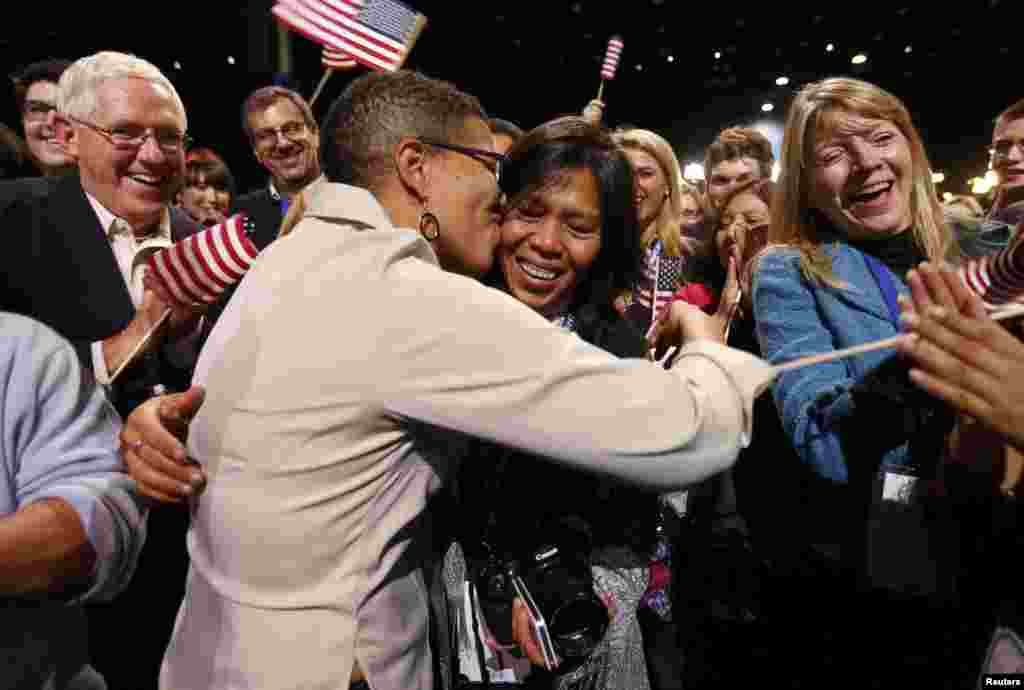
(556, 571)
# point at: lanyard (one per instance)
(884, 278)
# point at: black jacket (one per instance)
(58, 268)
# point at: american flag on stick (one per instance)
(199, 268)
(998, 279)
(611, 58)
(375, 33)
(335, 59)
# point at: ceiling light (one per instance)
(908, 49)
(782, 81)
(938, 177)
(767, 107)
(231, 59)
(859, 59)
(177, 65)
(639, 67)
(718, 55)
(829, 48)
(693, 172)
(671, 58)
(946, 196)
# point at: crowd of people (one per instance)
(498, 406)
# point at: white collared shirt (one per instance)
(131, 253)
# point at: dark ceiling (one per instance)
(529, 61)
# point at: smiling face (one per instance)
(1008, 141)
(40, 135)
(650, 185)
(728, 175)
(550, 239)
(285, 145)
(135, 183)
(205, 203)
(861, 175)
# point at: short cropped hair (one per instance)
(80, 82)
(44, 70)
(261, 99)
(504, 127)
(740, 142)
(377, 110)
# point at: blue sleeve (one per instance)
(61, 439)
(812, 401)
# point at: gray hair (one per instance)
(80, 82)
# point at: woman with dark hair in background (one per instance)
(208, 190)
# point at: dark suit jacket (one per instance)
(58, 266)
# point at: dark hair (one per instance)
(571, 143)
(44, 70)
(1014, 112)
(763, 189)
(14, 155)
(261, 99)
(376, 111)
(213, 172)
(509, 129)
(740, 142)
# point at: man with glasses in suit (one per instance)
(286, 141)
(74, 258)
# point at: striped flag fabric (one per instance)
(998, 279)
(611, 58)
(200, 267)
(375, 33)
(335, 59)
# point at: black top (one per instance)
(899, 253)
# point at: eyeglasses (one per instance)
(482, 155)
(267, 137)
(1002, 148)
(132, 138)
(37, 110)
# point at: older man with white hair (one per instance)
(75, 246)
(74, 257)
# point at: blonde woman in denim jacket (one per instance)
(855, 211)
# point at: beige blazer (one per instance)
(342, 380)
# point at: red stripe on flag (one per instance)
(213, 282)
(182, 250)
(377, 45)
(324, 35)
(215, 252)
(233, 254)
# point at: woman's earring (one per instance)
(429, 225)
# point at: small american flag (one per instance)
(199, 268)
(335, 59)
(376, 33)
(668, 277)
(999, 278)
(611, 58)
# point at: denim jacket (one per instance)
(796, 317)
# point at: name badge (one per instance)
(898, 487)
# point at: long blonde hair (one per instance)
(666, 227)
(792, 220)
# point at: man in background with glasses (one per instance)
(74, 257)
(35, 93)
(1008, 162)
(286, 142)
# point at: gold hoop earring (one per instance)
(429, 226)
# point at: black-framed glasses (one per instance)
(482, 155)
(132, 138)
(267, 137)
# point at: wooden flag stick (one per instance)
(600, 90)
(320, 87)
(1006, 312)
(141, 344)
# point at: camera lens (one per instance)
(578, 625)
